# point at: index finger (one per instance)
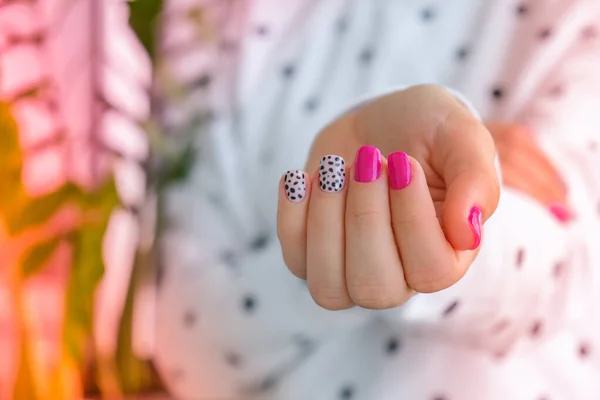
(430, 263)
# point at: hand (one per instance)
(526, 168)
(370, 231)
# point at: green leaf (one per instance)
(177, 169)
(143, 19)
(135, 375)
(30, 212)
(87, 269)
(37, 256)
(9, 140)
(10, 155)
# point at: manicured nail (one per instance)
(562, 213)
(475, 220)
(295, 185)
(332, 173)
(367, 165)
(400, 170)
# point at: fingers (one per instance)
(526, 168)
(325, 245)
(294, 192)
(428, 260)
(374, 275)
(534, 181)
(464, 152)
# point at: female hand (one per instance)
(526, 168)
(370, 230)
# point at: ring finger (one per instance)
(325, 236)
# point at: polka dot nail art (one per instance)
(332, 174)
(295, 185)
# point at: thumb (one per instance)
(464, 156)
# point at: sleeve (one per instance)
(533, 274)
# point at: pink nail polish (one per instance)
(475, 220)
(367, 165)
(562, 213)
(400, 170)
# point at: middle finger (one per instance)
(373, 270)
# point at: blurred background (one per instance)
(82, 167)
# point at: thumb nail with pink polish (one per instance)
(476, 220)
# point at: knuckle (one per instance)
(431, 280)
(403, 219)
(364, 218)
(330, 298)
(378, 296)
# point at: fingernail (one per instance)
(475, 220)
(332, 173)
(562, 213)
(295, 185)
(367, 165)
(400, 170)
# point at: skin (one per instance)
(372, 246)
(525, 167)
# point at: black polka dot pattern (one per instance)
(203, 81)
(304, 343)
(268, 384)
(589, 32)
(230, 258)
(536, 329)
(392, 346)
(427, 14)
(228, 45)
(520, 258)
(545, 33)
(342, 25)
(584, 350)
(189, 319)
(311, 104)
(249, 304)
(260, 242)
(332, 173)
(366, 56)
(346, 393)
(497, 93)
(288, 71)
(262, 30)
(556, 91)
(233, 359)
(522, 9)
(295, 186)
(558, 269)
(462, 53)
(450, 309)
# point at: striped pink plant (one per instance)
(74, 95)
